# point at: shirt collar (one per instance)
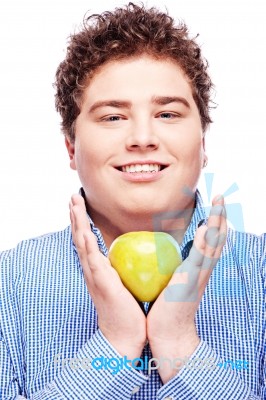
(198, 218)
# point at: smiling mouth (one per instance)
(142, 168)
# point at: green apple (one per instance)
(145, 262)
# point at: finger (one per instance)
(80, 233)
(183, 286)
(79, 224)
(214, 237)
(73, 224)
(218, 226)
(214, 242)
(197, 252)
(191, 266)
(96, 260)
(203, 256)
(77, 201)
(71, 217)
(79, 213)
(85, 238)
(222, 236)
(193, 263)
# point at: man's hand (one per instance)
(171, 328)
(120, 318)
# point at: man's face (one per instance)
(138, 139)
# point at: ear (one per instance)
(71, 152)
(205, 157)
(203, 142)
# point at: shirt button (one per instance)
(135, 390)
(168, 398)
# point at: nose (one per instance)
(142, 138)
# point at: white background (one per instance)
(36, 181)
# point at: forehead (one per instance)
(138, 77)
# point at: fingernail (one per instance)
(219, 197)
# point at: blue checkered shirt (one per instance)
(48, 320)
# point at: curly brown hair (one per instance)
(127, 32)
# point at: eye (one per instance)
(112, 118)
(168, 115)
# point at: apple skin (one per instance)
(145, 262)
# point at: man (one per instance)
(133, 94)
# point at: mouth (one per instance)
(151, 168)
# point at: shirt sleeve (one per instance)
(9, 385)
(79, 380)
(212, 382)
(10, 382)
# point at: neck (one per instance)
(117, 223)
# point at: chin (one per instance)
(148, 210)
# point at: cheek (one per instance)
(86, 154)
(91, 161)
(192, 150)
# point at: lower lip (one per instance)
(141, 176)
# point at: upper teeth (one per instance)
(141, 168)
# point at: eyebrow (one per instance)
(110, 103)
(159, 100)
(164, 100)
